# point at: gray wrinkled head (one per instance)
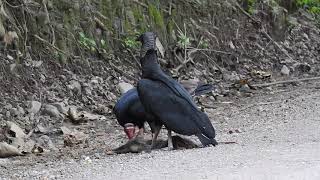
(148, 41)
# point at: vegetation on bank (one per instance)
(84, 27)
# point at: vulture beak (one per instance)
(129, 129)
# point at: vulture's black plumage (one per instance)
(167, 101)
(130, 112)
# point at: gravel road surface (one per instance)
(277, 135)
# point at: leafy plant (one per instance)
(183, 39)
(156, 15)
(103, 44)
(251, 4)
(204, 43)
(312, 5)
(130, 42)
(88, 43)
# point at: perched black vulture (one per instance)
(132, 116)
(167, 101)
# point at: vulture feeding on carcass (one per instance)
(167, 101)
(131, 115)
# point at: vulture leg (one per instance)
(155, 136)
(136, 130)
(170, 144)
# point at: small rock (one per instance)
(8, 106)
(21, 110)
(285, 70)
(10, 57)
(231, 77)
(75, 86)
(94, 82)
(234, 131)
(124, 87)
(42, 78)
(45, 141)
(73, 137)
(34, 107)
(41, 129)
(305, 36)
(61, 107)
(302, 67)
(245, 88)
(231, 45)
(87, 90)
(14, 112)
(8, 114)
(87, 160)
(51, 110)
(13, 68)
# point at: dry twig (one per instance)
(51, 45)
(286, 82)
(134, 57)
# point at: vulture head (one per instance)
(148, 41)
(129, 129)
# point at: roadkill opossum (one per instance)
(139, 144)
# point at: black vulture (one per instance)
(131, 115)
(167, 101)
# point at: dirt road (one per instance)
(279, 138)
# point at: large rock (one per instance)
(34, 107)
(15, 130)
(124, 87)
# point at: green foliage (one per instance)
(156, 15)
(130, 42)
(183, 40)
(204, 43)
(140, 20)
(251, 4)
(103, 44)
(88, 43)
(312, 5)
